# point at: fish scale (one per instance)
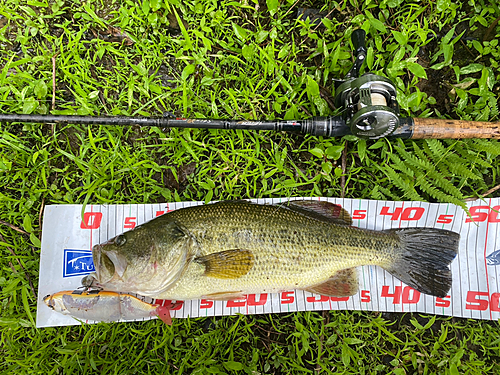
(228, 249)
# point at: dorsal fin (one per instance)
(342, 284)
(321, 210)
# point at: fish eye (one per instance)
(120, 240)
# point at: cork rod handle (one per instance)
(457, 129)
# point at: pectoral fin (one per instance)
(228, 264)
(342, 284)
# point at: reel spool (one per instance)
(368, 103)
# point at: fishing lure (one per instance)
(107, 306)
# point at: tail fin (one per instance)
(423, 259)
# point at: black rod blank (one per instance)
(319, 126)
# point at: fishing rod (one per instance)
(367, 104)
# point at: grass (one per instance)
(250, 60)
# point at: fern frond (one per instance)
(432, 191)
(388, 193)
(494, 106)
(395, 178)
(472, 157)
(441, 170)
(446, 185)
(483, 114)
(462, 171)
(376, 194)
(489, 146)
(399, 164)
(454, 158)
(440, 196)
(419, 151)
(437, 148)
(417, 162)
(407, 189)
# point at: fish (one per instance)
(105, 306)
(229, 249)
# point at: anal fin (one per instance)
(342, 284)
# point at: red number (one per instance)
(129, 223)
(365, 296)
(394, 215)
(477, 216)
(482, 304)
(445, 219)
(91, 220)
(417, 213)
(237, 303)
(442, 302)
(396, 295)
(475, 303)
(252, 302)
(339, 299)
(409, 214)
(158, 213)
(204, 304)
(287, 297)
(178, 305)
(493, 218)
(317, 298)
(415, 297)
(359, 214)
(495, 302)
(250, 299)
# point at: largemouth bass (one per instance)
(226, 250)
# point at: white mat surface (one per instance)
(66, 258)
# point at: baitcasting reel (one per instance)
(368, 102)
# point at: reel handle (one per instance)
(358, 39)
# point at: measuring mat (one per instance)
(67, 240)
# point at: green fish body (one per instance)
(229, 249)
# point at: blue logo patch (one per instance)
(77, 262)
(493, 259)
